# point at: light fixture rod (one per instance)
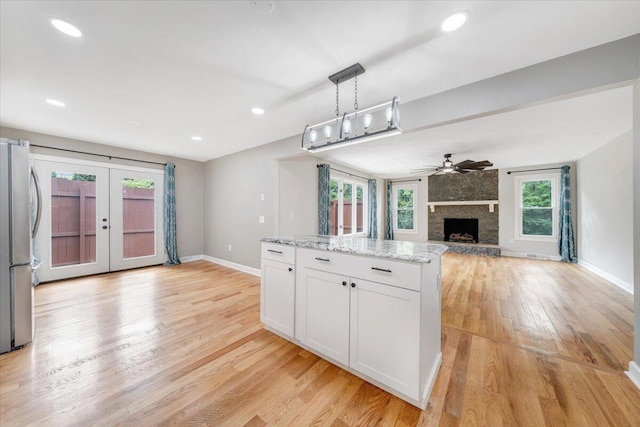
(346, 74)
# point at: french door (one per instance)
(97, 219)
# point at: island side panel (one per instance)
(431, 326)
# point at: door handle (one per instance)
(385, 270)
(344, 283)
(36, 222)
(353, 285)
(104, 227)
(323, 259)
(290, 269)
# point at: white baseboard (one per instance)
(543, 257)
(235, 266)
(610, 277)
(634, 373)
(191, 258)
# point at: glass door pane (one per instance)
(136, 219)
(347, 208)
(138, 216)
(73, 213)
(360, 209)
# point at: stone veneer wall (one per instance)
(481, 185)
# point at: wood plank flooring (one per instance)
(525, 343)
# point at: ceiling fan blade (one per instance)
(462, 170)
(435, 173)
(464, 164)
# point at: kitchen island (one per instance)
(370, 306)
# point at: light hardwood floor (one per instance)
(525, 343)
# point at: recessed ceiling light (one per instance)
(455, 21)
(55, 102)
(65, 27)
(257, 110)
(196, 138)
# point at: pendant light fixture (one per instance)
(379, 121)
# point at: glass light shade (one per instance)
(367, 120)
(313, 135)
(346, 127)
(388, 114)
(327, 131)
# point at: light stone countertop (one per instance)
(392, 249)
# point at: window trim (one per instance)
(394, 190)
(342, 179)
(555, 200)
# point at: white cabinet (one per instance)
(323, 307)
(277, 295)
(385, 335)
(376, 317)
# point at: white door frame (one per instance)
(118, 261)
(44, 239)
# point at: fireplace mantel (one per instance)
(491, 203)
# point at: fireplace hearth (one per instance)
(461, 230)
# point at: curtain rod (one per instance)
(348, 173)
(535, 170)
(99, 155)
(408, 180)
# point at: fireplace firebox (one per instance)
(462, 230)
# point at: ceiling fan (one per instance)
(448, 166)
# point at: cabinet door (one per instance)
(323, 318)
(277, 296)
(385, 335)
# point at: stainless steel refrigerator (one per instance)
(16, 258)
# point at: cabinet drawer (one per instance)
(282, 253)
(390, 272)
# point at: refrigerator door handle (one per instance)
(36, 223)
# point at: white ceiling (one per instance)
(148, 75)
(551, 133)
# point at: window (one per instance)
(536, 207)
(347, 202)
(404, 202)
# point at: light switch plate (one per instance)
(261, 220)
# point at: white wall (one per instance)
(509, 245)
(189, 179)
(298, 189)
(605, 210)
(234, 186)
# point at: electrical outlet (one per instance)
(229, 248)
(261, 220)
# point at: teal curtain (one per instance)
(324, 176)
(170, 240)
(566, 240)
(373, 210)
(389, 229)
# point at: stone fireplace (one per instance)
(469, 203)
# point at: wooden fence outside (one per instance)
(73, 222)
(347, 223)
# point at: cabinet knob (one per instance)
(353, 285)
(290, 269)
(344, 283)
